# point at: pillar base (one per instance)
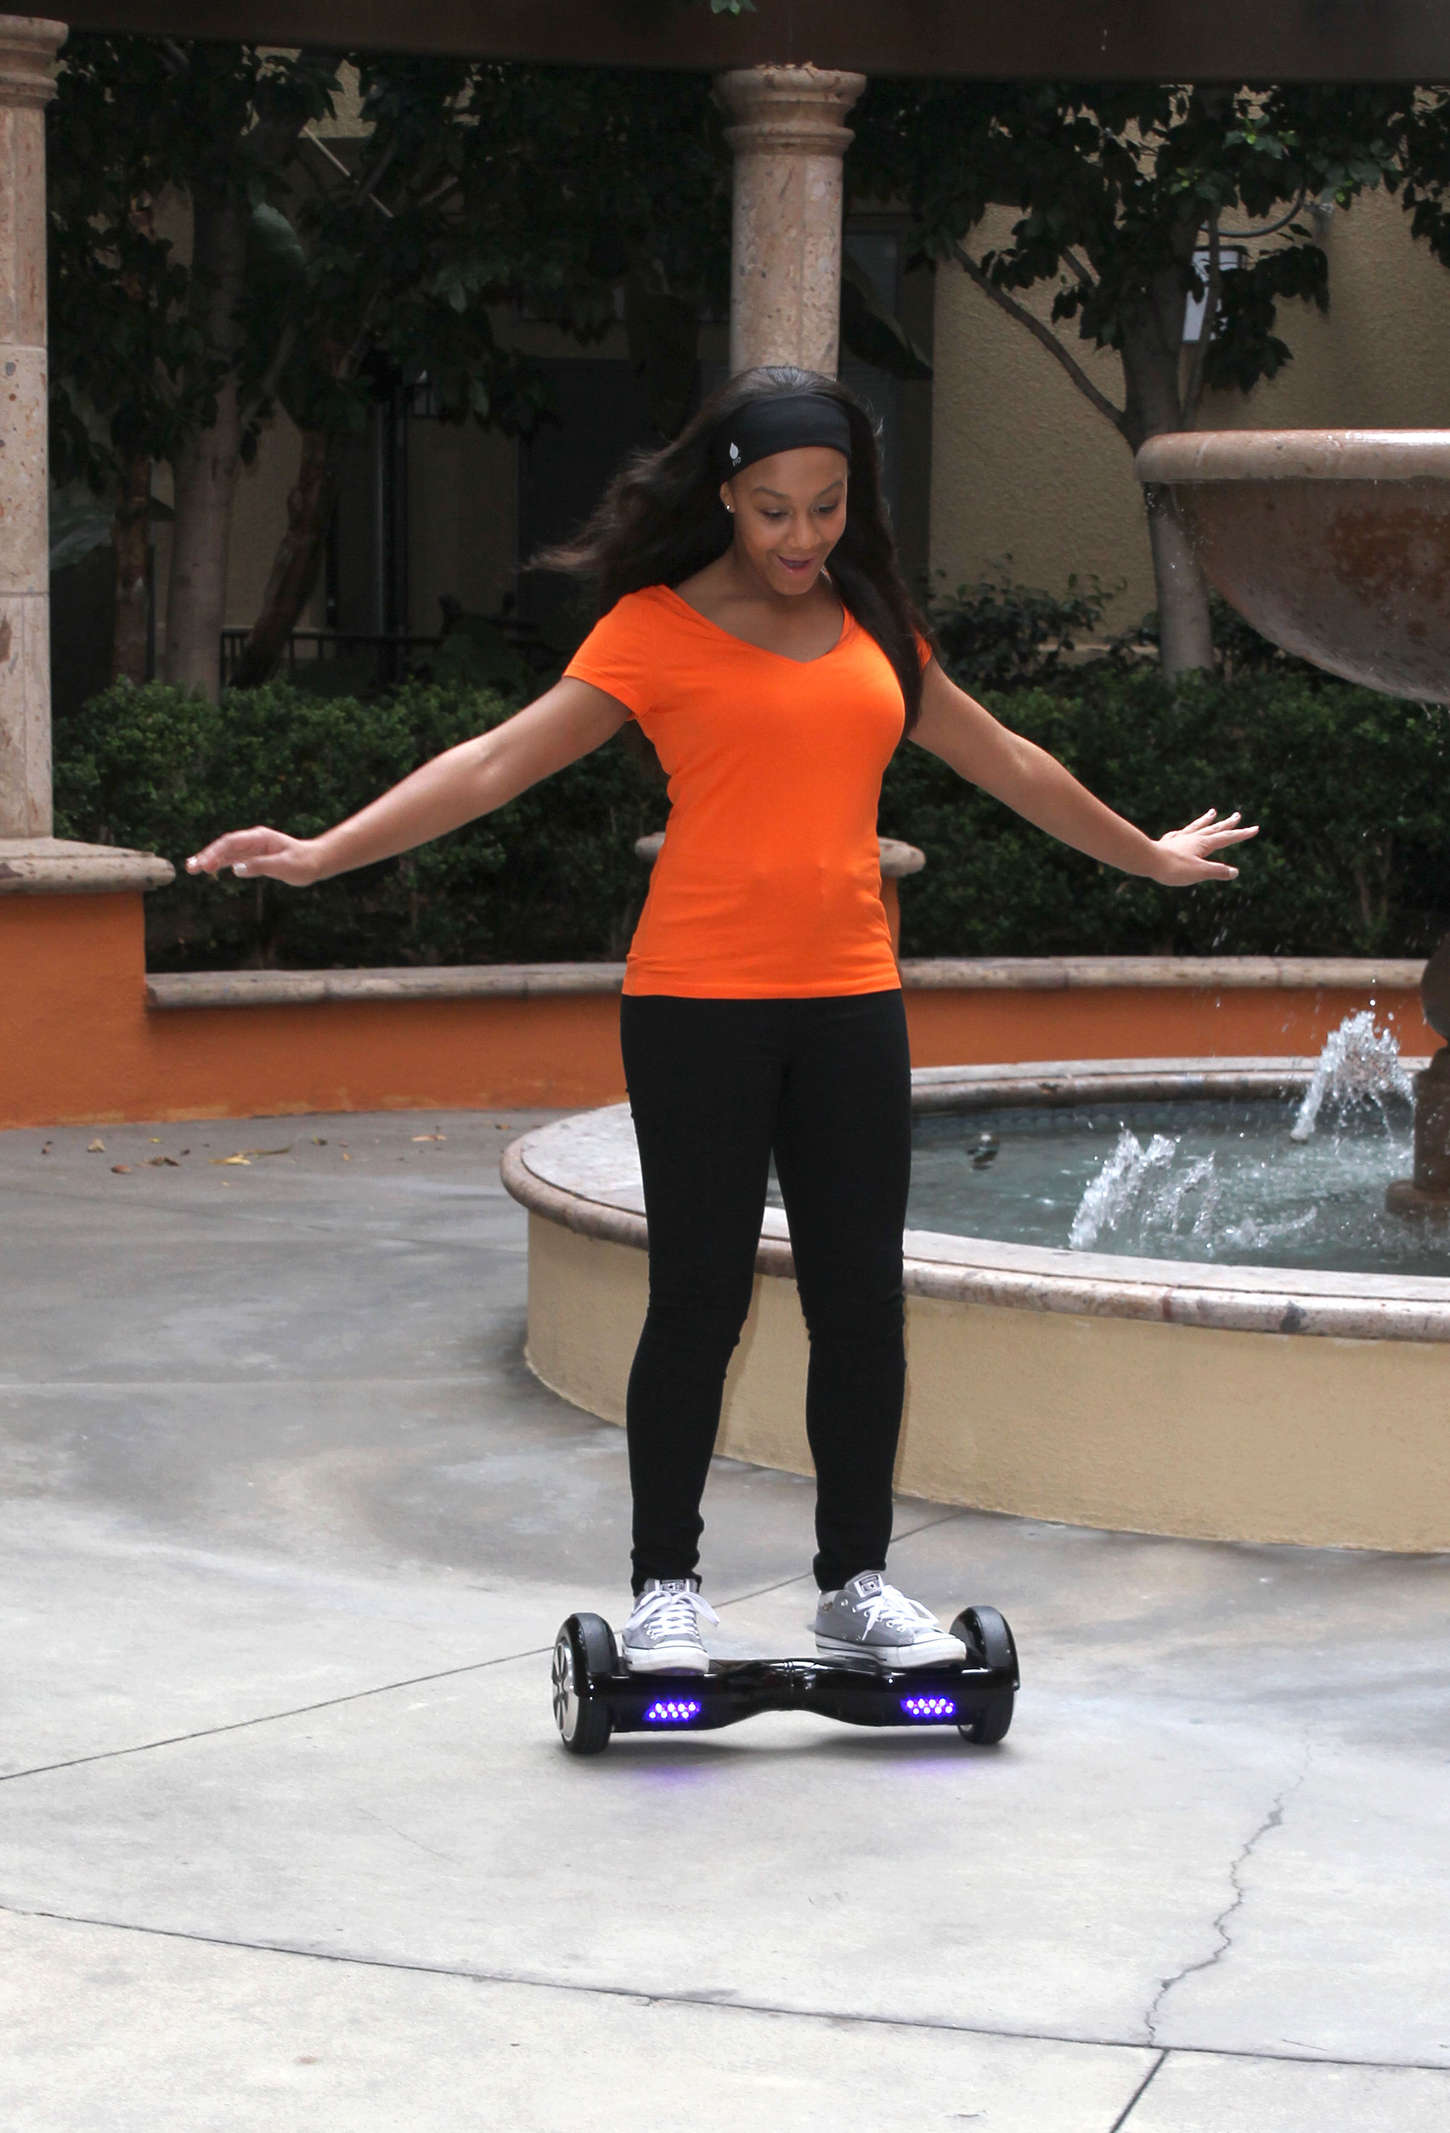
(1406, 1198)
(53, 866)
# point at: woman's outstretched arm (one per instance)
(1036, 786)
(567, 722)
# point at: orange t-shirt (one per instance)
(769, 882)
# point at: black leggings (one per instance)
(716, 1087)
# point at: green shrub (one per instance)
(1354, 857)
(996, 634)
(552, 876)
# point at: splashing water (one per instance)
(1139, 1182)
(1359, 1065)
(1230, 1185)
(1144, 1197)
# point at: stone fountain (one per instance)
(1335, 544)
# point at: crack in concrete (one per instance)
(1272, 1820)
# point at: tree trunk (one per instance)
(1152, 364)
(299, 552)
(1185, 630)
(205, 468)
(130, 542)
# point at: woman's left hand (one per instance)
(1185, 856)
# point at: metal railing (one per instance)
(392, 656)
(388, 657)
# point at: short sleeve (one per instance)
(619, 656)
(924, 652)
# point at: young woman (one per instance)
(755, 626)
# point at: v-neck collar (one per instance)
(848, 623)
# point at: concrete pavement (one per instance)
(287, 1840)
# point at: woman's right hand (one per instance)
(260, 851)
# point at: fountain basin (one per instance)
(1223, 1402)
(1333, 543)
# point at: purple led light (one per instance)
(928, 1707)
(671, 1713)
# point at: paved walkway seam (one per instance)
(384, 1688)
(718, 2003)
(1139, 2093)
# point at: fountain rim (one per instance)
(1371, 455)
(576, 1172)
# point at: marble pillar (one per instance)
(32, 863)
(27, 82)
(788, 134)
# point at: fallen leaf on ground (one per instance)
(430, 1136)
(230, 1159)
(154, 1162)
(268, 1151)
(122, 1170)
(96, 1148)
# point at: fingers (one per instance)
(236, 849)
(1215, 825)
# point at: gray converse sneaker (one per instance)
(869, 1619)
(662, 1636)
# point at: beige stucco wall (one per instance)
(1023, 466)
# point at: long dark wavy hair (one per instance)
(660, 520)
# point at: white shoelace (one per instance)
(672, 1613)
(895, 1611)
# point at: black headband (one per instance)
(779, 422)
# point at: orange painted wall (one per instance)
(960, 1028)
(79, 1044)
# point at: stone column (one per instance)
(789, 136)
(32, 862)
(27, 82)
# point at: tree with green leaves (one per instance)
(463, 191)
(1126, 199)
(148, 347)
(319, 265)
(471, 190)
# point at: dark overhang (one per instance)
(1102, 40)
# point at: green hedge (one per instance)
(552, 876)
(1354, 856)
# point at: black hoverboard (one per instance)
(596, 1695)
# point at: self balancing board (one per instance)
(595, 1695)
